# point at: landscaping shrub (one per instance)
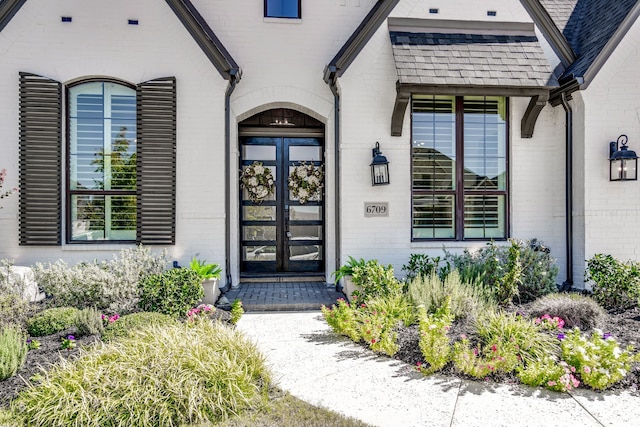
(396, 306)
(164, 376)
(110, 286)
(375, 280)
(236, 311)
(13, 350)
(13, 307)
(173, 292)
(125, 326)
(465, 299)
(490, 264)
(616, 285)
(550, 374)
(598, 359)
(343, 319)
(576, 310)
(89, 322)
(513, 332)
(51, 321)
(434, 342)
(420, 265)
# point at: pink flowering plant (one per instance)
(481, 361)
(550, 323)
(598, 359)
(106, 320)
(3, 175)
(549, 373)
(343, 319)
(201, 312)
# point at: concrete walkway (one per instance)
(313, 364)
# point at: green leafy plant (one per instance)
(576, 310)
(465, 300)
(236, 311)
(434, 342)
(599, 359)
(420, 265)
(68, 342)
(51, 321)
(376, 329)
(374, 280)
(110, 286)
(173, 292)
(342, 318)
(396, 307)
(89, 322)
(484, 359)
(205, 271)
(127, 325)
(347, 269)
(33, 344)
(549, 373)
(13, 350)
(616, 285)
(174, 375)
(507, 285)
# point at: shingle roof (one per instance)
(559, 10)
(469, 59)
(587, 25)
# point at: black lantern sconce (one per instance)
(623, 163)
(379, 167)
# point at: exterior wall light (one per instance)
(623, 163)
(379, 167)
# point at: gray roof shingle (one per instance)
(470, 59)
(587, 25)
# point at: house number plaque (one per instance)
(372, 209)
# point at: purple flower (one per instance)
(560, 337)
(605, 336)
(71, 337)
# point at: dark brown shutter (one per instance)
(156, 161)
(40, 160)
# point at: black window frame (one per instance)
(68, 191)
(459, 192)
(266, 8)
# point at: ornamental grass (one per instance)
(175, 375)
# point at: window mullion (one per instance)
(459, 209)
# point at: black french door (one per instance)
(280, 235)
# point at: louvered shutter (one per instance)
(156, 161)
(40, 160)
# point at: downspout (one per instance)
(568, 284)
(233, 81)
(332, 81)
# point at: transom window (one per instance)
(282, 9)
(102, 162)
(459, 167)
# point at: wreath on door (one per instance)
(305, 182)
(258, 181)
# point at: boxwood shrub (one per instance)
(51, 321)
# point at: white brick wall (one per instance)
(99, 42)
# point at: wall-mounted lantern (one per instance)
(379, 167)
(623, 163)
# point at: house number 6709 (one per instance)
(376, 209)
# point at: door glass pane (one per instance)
(304, 153)
(306, 232)
(259, 213)
(305, 253)
(258, 152)
(305, 213)
(259, 232)
(258, 253)
(433, 216)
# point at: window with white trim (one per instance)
(459, 168)
(282, 9)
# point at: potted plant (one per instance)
(210, 276)
(345, 274)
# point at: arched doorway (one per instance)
(280, 235)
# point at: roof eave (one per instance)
(360, 37)
(611, 46)
(8, 9)
(204, 36)
(554, 36)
